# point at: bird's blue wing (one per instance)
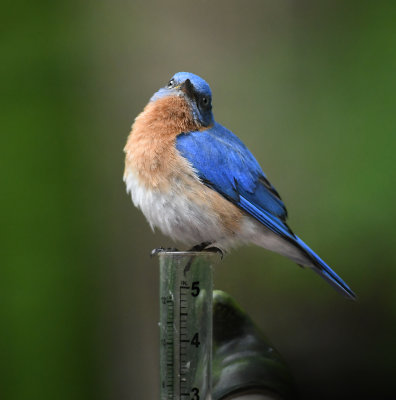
(224, 163)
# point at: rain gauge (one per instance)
(186, 286)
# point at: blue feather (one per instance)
(225, 164)
(220, 158)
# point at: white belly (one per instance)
(191, 222)
(176, 213)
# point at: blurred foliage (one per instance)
(308, 86)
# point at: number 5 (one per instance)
(195, 289)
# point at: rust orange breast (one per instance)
(150, 150)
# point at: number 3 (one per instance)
(195, 392)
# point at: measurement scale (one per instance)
(186, 286)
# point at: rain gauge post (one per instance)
(186, 287)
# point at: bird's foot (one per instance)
(158, 250)
(216, 250)
(200, 247)
(204, 247)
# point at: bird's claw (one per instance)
(200, 246)
(215, 250)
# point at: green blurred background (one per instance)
(309, 86)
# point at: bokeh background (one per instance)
(309, 86)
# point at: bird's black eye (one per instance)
(205, 101)
(171, 83)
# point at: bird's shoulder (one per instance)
(224, 163)
(216, 135)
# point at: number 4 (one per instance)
(195, 340)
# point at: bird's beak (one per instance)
(187, 88)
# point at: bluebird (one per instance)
(199, 184)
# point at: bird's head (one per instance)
(196, 92)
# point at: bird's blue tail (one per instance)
(322, 269)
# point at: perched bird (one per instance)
(199, 184)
